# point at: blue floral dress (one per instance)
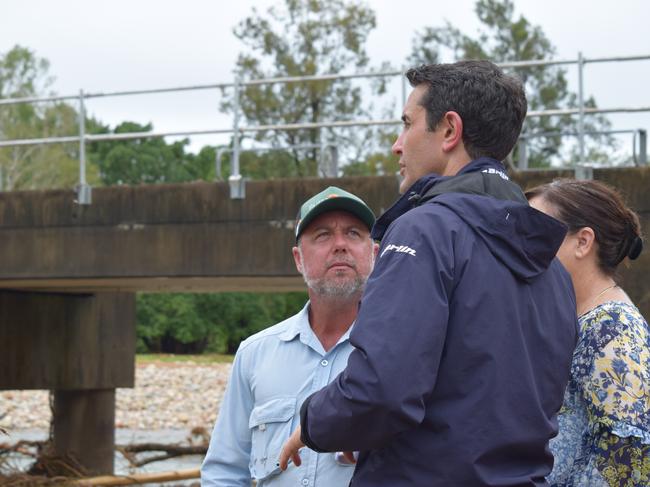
(604, 437)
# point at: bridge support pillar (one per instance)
(84, 428)
(82, 347)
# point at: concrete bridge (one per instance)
(69, 273)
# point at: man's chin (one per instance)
(343, 272)
(339, 288)
(342, 281)
(404, 185)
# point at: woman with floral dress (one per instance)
(604, 423)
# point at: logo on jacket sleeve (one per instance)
(402, 249)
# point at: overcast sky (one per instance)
(123, 45)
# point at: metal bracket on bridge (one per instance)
(583, 171)
(237, 187)
(84, 194)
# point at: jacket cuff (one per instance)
(304, 434)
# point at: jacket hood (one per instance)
(523, 239)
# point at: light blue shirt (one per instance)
(274, 371)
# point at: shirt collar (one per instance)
(300, 327)
(298, 323)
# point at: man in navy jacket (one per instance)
(467, 326)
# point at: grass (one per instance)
(206, 358)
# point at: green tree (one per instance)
(503, 37)
(302, 38)
(381, 162)
(270, 164)
(193, 323)
(201, 166)
(23, 74)
(170, 323)
(142, 161)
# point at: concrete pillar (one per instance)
(84, 428)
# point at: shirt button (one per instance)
(324, 364)
(305, 481)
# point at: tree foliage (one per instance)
(147, 160)
(503, 37)
(23, 74)
(270, 164)
(302, 38)
(193, 323)
(376, 163)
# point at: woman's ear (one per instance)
(586, 242)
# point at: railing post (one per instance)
(581, 114)
(584, 171)
(403, 91)
(322, 157)
(84, 191)
(327, 160)
(218, 176)
(237, 187)
(334, 158)
(522, 161)
(643, 147)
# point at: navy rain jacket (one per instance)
(463, 344)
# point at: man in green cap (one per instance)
(276, 369)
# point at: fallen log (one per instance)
(140, 478)
(170, 451)
(168, 448)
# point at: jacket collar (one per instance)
(409, 199)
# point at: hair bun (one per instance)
(635, 248)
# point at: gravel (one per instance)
(176, 395)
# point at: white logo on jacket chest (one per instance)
(403, 249)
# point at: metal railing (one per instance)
(236, 180)
(640, 159)
(326, 168)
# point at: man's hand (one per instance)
(290, 450)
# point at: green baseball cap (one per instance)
(331, 199)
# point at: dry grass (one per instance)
(165, 358)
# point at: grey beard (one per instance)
(332, 289)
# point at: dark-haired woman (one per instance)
(604, 437)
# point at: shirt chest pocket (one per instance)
(270, 425)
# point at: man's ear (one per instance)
(375, 249)
(297, 258)
(452, 130)
(586, 242)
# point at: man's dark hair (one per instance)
(491, 104)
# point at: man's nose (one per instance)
(340, 242)
(397, 146)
